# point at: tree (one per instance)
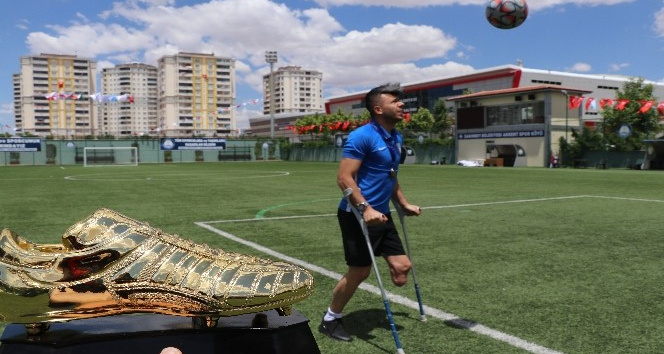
(420, 122)
(644, 123)
(586, 140)
(442, 120)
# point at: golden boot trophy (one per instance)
(110, 264)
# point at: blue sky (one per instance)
(355, 43)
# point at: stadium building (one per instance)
(509, 110)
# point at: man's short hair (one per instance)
(370, 100)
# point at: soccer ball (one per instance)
(506, 14)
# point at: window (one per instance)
(514, 114)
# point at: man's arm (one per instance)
(399, 197)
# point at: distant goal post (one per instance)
(110, 156)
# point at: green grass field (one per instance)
(508, 260)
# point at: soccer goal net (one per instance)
(110, 156)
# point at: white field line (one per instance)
(430, 311)
(440, 207)
(424, 208)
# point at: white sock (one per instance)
(331, 316)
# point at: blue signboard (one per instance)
(192, 144)
(20, 144)
(498, 135)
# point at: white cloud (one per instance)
(618, 67)
(243, 115)
(6, 108)
(144, 31)
(659, 22)
(378, 45)
(103, 64)
(88, 40)
(6, 115)
(22, 24)
(580, 68)
(532, 4)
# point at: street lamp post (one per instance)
(271, 58)
(566, 125)
(566, 111)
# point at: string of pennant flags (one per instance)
(97, 97)
(104, 98)
(591, 104)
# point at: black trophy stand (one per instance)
(264, 333)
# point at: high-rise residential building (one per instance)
(295, 91)
(50, 96)
(136, 115)
(196, 95)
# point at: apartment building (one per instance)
(50, 96)
(296, 90)
(196, 95)
(137, 115)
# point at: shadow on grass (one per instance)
(361, 323)
(460, 323)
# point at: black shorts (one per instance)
(384, 238)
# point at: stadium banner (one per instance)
(20, 144)
(192, 144)
(497, 135)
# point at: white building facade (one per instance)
(136, 116)
(296, 90)
(51, 96)
(196, 95)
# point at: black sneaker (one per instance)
(334, 329)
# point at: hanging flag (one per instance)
(575, 101)
(660, 108)
(605, 102)
(590, 103)
(646, 106)
(621, 104)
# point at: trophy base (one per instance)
(264, 332)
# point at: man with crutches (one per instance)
(368, 177)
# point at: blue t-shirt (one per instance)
(380, 153)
